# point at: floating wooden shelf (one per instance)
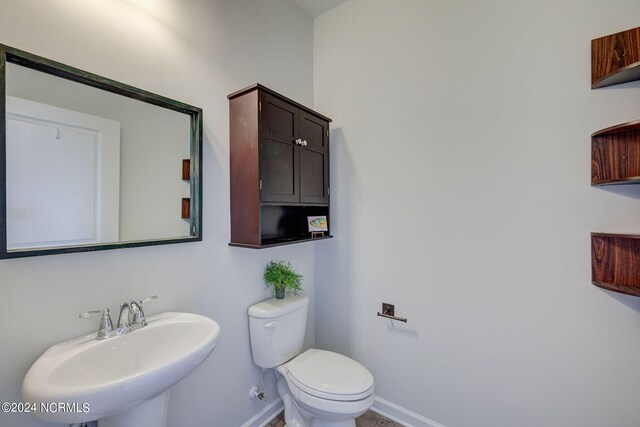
(615, 155)
(615, 159)
(279, 242)
(186, 169)
(615, 262)
(615, 58)
(186, 208)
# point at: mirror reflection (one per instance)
(85, 166)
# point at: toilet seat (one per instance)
(328, 375)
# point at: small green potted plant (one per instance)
(281, 277)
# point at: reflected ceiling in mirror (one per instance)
(93, 164)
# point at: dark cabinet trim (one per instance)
(244, 159)
(283, 243)
(276, 94)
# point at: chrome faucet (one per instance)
(124, 319)
(132, 315)
(105, 329)
(131, 318)
(138, 320)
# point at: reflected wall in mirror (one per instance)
(89, 163)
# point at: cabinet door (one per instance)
(314, 159)
(279, 158)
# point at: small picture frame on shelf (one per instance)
(317, 225)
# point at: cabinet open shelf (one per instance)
(615, 155)
(615, 262)
(271, 243)
(615, 58)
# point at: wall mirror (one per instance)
(88, 163)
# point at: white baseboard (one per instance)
(401, 415)
(383, 407)
(265, 416)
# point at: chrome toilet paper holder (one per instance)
(389, 311)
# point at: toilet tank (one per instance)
(277, 328)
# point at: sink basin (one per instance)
(98, 379)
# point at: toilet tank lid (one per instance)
(277, 307)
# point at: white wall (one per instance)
(196, 53)
(460, 193)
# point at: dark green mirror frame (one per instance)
(34, 62)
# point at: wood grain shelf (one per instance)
(279, 242)
(615, 159)
(615, 58)
(615, 262)
(615, 155)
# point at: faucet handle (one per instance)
(106, 326)
(91, 313)
(138, 313)
(84, 315)
(149, 299)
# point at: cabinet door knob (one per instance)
(304, 142)
(298, 141)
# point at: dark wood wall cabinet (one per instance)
(279, 154)
(615, 58)
(615, 159)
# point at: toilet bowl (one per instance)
(324, 389)
(319, 388)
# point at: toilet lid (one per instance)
(330, 373)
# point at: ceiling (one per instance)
(314, 8)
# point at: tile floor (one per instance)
(369, 419)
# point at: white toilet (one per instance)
(319, 388)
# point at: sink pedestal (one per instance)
(152, 413)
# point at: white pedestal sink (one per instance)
(120, 381)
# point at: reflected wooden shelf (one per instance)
(186, 208)
(615, 155)
(615, 262)
(186, 169)
(615, 58)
